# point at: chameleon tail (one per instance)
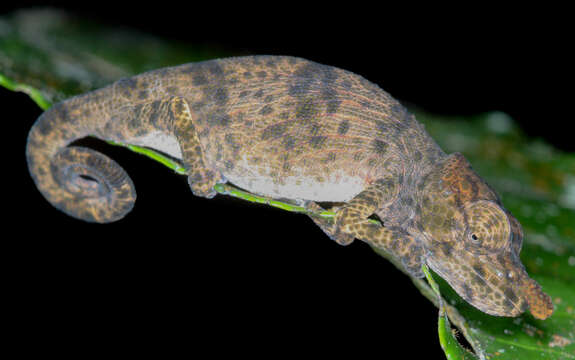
(81, 182)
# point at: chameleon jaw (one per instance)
(493, 295)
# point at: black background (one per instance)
(191, 274)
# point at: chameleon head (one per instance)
(473, 242)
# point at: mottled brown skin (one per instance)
(290, 128)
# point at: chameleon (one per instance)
(289, 128)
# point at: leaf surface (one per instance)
(52, 56)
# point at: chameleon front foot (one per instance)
(202, 183)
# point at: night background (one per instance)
(248, 277)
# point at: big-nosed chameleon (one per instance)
(285, 127)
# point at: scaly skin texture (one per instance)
(289, 128)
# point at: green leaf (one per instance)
(51, 56)
(453, 350)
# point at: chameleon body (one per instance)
(289, 128)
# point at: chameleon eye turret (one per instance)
(488, 229)
(289, 128)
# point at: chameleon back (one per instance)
(288, 127)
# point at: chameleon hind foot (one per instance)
(327, 225)
(202, 182)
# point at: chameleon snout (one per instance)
(540, 304)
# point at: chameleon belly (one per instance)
(335, 187)
(159, 141)
(256, 178)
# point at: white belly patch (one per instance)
(337, 187)
(303, 188)
(159, 141)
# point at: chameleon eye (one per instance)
(488, 228)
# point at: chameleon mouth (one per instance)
(484, 289)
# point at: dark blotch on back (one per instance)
(259, 93)
(128, 83)
(273, 131)
(172, 90)
(312, 75)
(381, 126)
(127, 86)
(215, 68)
(45, 126)
(306, 109)
(317, 141)
(199, 79)
(266, 110)
(343, 127)
(203, 71)
(198, 105)
(218, 119)
(288, 142)
(331, 99)
(379, 147)
(59, 114)
(221, 96)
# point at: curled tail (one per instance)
(81, 182)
